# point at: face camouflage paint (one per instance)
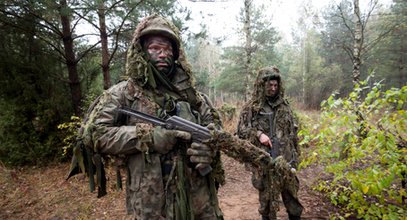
(160, 52)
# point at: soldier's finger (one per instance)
(211, 126)
(199, 146)
(183, 135)
(199, 159)
(194, 152)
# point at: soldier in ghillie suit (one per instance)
(267, 121)
(162, 177)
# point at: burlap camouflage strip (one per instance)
(245, 152)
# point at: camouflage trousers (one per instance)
(270, 187)
(152, 202)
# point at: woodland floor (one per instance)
(43, 193)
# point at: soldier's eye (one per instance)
(154, 48)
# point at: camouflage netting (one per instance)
(245, 152)
(280, 172)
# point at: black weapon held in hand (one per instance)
(273, 151)
(198, 132)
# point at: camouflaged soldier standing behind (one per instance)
(268, 109)
(162, 179)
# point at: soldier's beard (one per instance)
(270, 93)
(272, 98)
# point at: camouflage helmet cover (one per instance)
(269, 73)
(264, 74)
(160, 26)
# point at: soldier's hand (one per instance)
(200, 153)
(211, 126)
(164, 139)
(265, 140)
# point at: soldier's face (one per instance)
(160, 52)
(271, 88)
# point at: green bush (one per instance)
(363, 174)
(227, 111)
(25, 140)
(70, 132)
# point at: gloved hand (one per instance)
(211, 126)
(164, 139)
(200, 153)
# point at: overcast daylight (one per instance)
(203, 109)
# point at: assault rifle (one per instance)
(273, 151)
(198, 132)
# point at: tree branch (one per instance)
(117, 33)
(85, 52)
(342, 16)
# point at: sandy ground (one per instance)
(239, 200)
(42, 193)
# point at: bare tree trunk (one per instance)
(357, 47)
(304, 70)
(215, 98)
(221, 98)
(210, 95)
(358, 43)
(71, 61)
(401, 63)
(248, 46)
(105, 51)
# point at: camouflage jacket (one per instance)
(284, 127)
(153, 193)
(254, 119)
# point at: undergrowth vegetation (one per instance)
(364, 172)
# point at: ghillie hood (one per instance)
(137, 64)
(258, 95)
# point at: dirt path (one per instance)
(239, 200)
(42, 193)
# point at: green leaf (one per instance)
(365, 189)
(344, 198)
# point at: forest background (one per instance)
(344, 71)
